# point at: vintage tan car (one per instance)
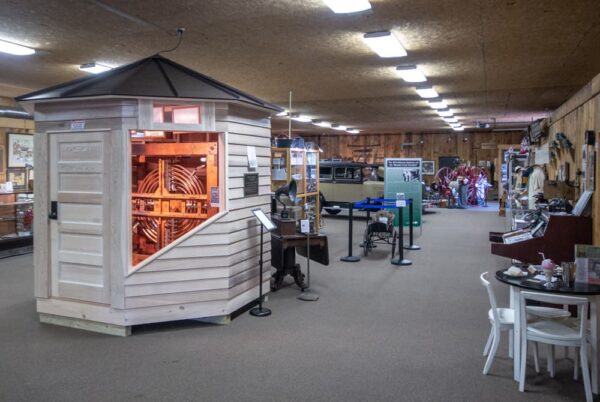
(342, 182)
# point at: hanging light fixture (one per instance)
(444, 112)
(411, 73)
(14, 49)
(301, 118)
(438, 103)
(426, 91)
(385, 44)
(353, 131)
(94, 68)
(348, 6)
(339, 127)
(321, 123)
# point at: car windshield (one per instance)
(370, 173)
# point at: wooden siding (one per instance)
(219, 261)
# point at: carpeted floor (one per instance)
(378, 333)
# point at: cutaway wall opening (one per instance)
(174, 186)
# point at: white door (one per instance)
(79, 215)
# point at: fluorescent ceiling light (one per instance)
(321, 123)
(411, 73)
(301, 118)
(282, 114)
(338, 127)
(458, 128)
(13, 48)
(450, 119)
(437, 104)
(353, 130)
(426, 92)
(455, 124)
(385, 44)
(348, 6)
(445, 112)
(94, 68)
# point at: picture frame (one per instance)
(2, 161)
(18, 177)
(428, 168)
(20, 150)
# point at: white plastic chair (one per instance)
(501, 319)
(553, 332)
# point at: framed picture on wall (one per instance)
(18, 177)
(2, 163)
(428, 168)
(20, 150)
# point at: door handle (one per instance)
(53, 210)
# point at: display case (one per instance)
(16, 223)
(301, 165)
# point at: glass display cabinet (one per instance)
(16, 223)
(301, 165)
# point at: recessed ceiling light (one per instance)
(455, 124)
(321, 123)
(13, 48)
(444, 112)
(437, 103)
(301, 118)
(426, 91)
(94, 68)
(282, 114)
(385, 44)
(458, 128)
(450, 119)
(411, 73)
(353, 130)
(348, 6)
(339, 127)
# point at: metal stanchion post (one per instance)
(411, 246)
(400, 260)
(350, 257)
(307, 294)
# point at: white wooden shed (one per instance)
(141, 214)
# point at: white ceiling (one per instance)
(513, 60)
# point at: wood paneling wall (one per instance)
(468, 146)
(574, 118)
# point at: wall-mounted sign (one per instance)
(250, 184)
(77, 124)
(252, 161)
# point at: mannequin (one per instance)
(537, 177)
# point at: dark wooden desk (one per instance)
(283, 256)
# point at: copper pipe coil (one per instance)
(177, 180)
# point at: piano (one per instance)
(558, 242)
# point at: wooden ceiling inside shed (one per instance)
(510, 60)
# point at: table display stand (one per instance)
(307, 294)
(350, 257)
(401, 260)
(260, 311)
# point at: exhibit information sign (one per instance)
(250, 184)
(403, 175)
